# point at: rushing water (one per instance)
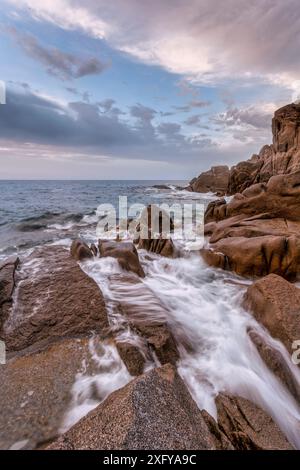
(201, 305)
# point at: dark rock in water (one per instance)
(258, 231)
(54, 299)
(162, 247)
(132, 357)
(80, 250)
(7, 284)
(276, 304)
(160, 186)
(125, 253)
(281, 366)
(214, 180)
(36, 392)
(154, 411)
(248, 427)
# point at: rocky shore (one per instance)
(59, 328)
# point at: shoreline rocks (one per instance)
(214, 180)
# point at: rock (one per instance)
(162, 247)
(153, 232)
(147, 318)
(248, 427)
(256, 256)
(132, 357)
(125, 253)
(275, 303)
(154, 411)
(286, 128)
(36, 391)
(281, 366)
(258, 231)
(54, 299)
(94, 249)
(80, 250)
(7, 284)
(214, 180)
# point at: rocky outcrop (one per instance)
(154, 411)
(275, 303)
(247, 426)
(124, 252)
(7, 285)
(214, 180)
(148, 319)
(286, 128)
(54, 299)
(154, 232)
(80, 250)
(257, 232)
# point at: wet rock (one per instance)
(7, 284)
(54, 298)
(214, 180)
(162, 247)
(132, 357)
(280, 365)
(94, 249)
(36, 392)
(80, 250)
(125, 253)
(154, 411)
(247, 426)
(275, 303)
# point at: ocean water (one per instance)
(202, 305)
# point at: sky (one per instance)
(133, 89)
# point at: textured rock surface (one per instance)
(247, 426)
(214, 180)
(154, 411)
(54, 298)
(275, 303)
(125, 253)
(35, 392)
(132, 357)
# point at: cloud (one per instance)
(193, 120)
(195, 39)
(255, 116)
(61, 64)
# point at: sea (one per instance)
(203, 304)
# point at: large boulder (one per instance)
(154, 411)
(124, 252)
(54, 299)
(247, 426)
(286, 128)
(214, 180)
(275, 303)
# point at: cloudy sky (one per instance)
(138, 89)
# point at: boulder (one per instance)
(124, 252)
(154, 411)
(279, 364)
(148, 319)
(80, 250)
(214, 180)
(161, 246)
(286, 128)
(54, 299)
(247, 426)
(275, 303)
(132, 357)
(36, 392)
